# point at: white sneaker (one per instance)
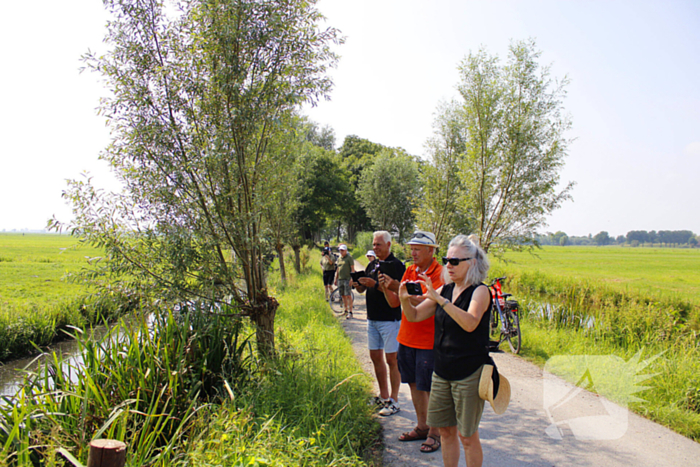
(377, 402)
(390, 408)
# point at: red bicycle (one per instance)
(504, 312)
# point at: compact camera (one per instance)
(414, 288)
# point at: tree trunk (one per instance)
(263, 315)
(297, 260)
(280, 254)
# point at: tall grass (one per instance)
(141, 384)
(310, 406)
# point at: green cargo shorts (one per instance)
(456, 403)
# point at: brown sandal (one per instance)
(420, 435)
(428, 448)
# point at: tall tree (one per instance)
(388, 190)
(284, 191)
(602, 238)
(327, 191)
(438, 209)
(357, 154)
(512, 121)
(197, 90)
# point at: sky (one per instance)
(634, 96)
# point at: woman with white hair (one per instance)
(462, 312)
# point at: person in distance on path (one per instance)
(462, 310)
(416, 340)
(346, 265)
(328, 267)
(370, 256)
(383, 321)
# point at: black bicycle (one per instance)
(336, 301)
(505, 321)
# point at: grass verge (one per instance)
(310, 408)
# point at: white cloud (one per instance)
(693, 149)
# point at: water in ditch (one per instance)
(12, 372)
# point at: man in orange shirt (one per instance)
(416, 341)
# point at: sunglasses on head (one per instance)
(454, 261)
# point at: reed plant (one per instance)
(143, 384)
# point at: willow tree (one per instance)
(512, 123)
(197, 89)
(438, 210)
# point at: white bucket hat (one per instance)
(423, 238)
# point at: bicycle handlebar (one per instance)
(498, 279)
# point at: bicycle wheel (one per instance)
(335, 301)
(513, 334)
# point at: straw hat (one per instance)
(490, 378)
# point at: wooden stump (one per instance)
(107, 453)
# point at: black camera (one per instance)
(326, 251)
(414, 288)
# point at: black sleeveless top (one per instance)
(459, 353)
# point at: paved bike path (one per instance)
(519, 437)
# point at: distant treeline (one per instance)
(671, 238)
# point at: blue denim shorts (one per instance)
(381, 335)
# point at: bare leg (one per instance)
(450, 446)
(420, 402)
(394, 374)
(472, 449)
(347, 303)
(380, 371)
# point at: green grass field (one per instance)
(36, 300)
(660, 272)
(33, 267)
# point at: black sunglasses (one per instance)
(454, 261)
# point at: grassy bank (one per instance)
(190, 390)
(311, 409)
(632, 303)
(36, 300)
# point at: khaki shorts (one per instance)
(456, 403)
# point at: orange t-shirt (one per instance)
(420, 335)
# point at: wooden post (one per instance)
(107, 453)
